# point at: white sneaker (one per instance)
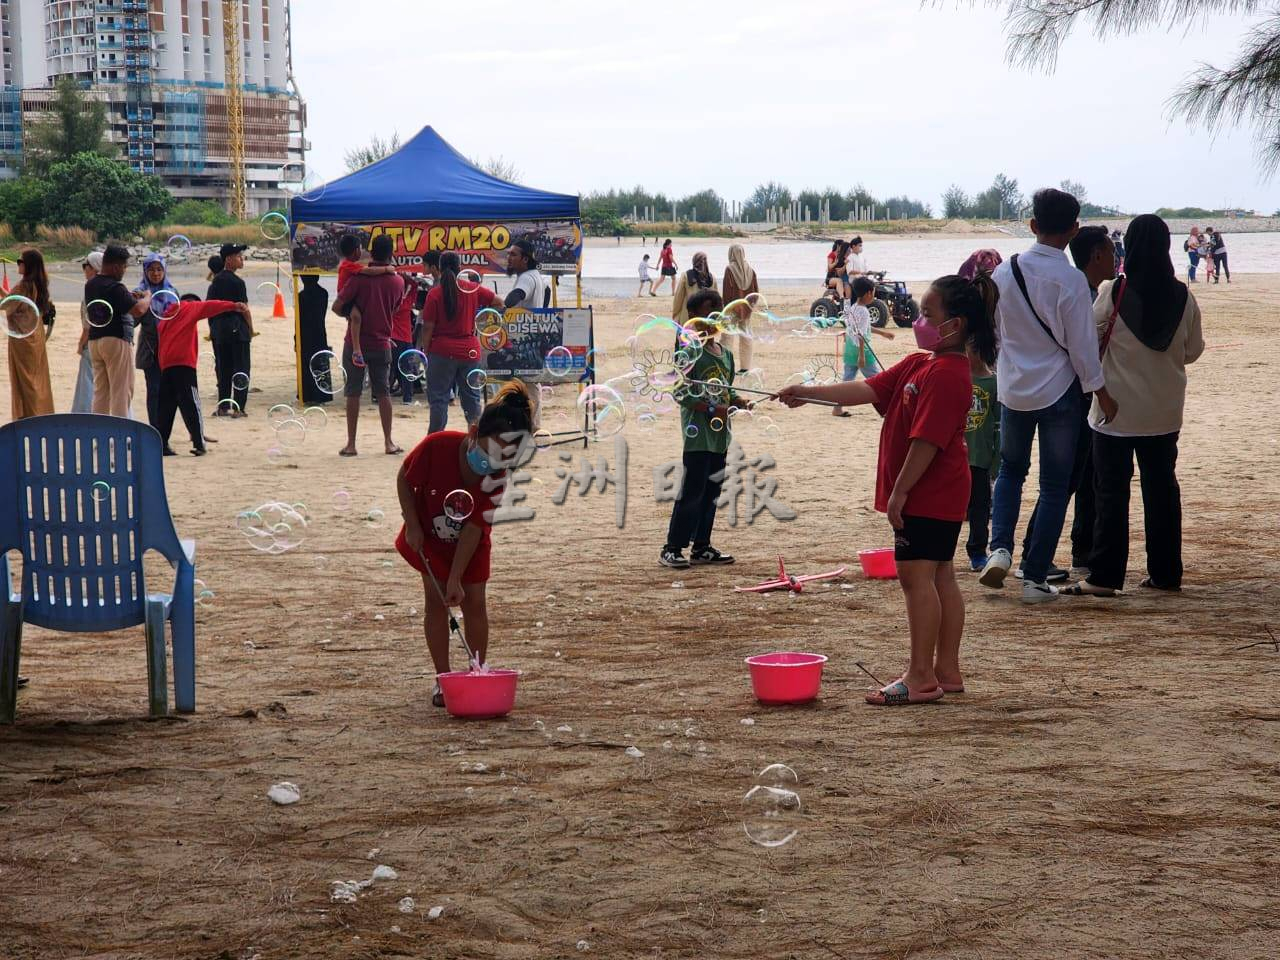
(1038, 592)
(996, 570)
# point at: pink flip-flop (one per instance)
(898, 694)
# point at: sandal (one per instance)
(437, 697)
(1152, 585)
(898, 694)
(951, 687)
(1086, 589)
(23, 681)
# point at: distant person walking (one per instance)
(155, 281)
(698, 277)
(1219, 253)
(30, 389)
(112, 311)
(1149, 325)
(739, 282)
(666, 267)
(232, 334)
(1048, 358)
(82, 401)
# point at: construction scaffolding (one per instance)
(135, 30)
(231, 31)
(183, 134)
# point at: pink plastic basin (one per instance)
(479, 696)
(786, 677)
(878, 564)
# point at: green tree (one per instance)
(600, 217)
(22, 205)
(705, 202)
(956, 203)
(104, 196)
(1076, 189)
(75, 123)
(906, 208)
(764, 198)
(376, 149)
(207, 213)
(1246, 90)
(498, 167)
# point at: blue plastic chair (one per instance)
(82, 499)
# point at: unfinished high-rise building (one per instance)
(160, 66)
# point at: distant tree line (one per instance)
(1003, 200)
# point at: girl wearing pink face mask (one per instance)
(922, 479)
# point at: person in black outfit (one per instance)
(313, 302)
(231, 333)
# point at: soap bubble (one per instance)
(458, 505)
(272, 290)
(240, 381)
(229, 405)
(276, 455)
(164, 303)
(493, 338)
(375, 516)
(273, 528)
(487, 319)
(98, 312)
(691, 431)
(315, 418)
(100, 492)
(477, 378)
(771, 810)
(543, 439)
(342, 500)
(662, 352)
(329, 376)
(716, 425)
(602, 408)
(203, 595)
(302, 181)
(278, 413)
(290, 433)
(178, 247)
(274, 226)
(559, 361)
(469, 281)
(412, 365)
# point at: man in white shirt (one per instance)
(1048, 360)
(530, 289)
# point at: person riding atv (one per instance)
(892, 301)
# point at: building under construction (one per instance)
(196, 90)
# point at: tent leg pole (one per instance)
(297, 331)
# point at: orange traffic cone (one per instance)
(4, 285)
(277, 311)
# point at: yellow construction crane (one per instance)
(231, 33)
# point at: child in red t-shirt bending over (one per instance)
(454, 541)
(922, 479)
(178, 353)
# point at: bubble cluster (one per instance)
(327, 371)
(602, 410)
(275, 527)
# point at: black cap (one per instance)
(526, 247)
(232, 248)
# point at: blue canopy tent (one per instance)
(428, 191)
(427, 179)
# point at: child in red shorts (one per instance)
(458, 548)
(922, 479)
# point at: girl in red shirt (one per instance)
(922, 479)
(456, 541)
(666, 267)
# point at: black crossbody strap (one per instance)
(1022, 285)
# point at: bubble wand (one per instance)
(771, 394)
(454, 626)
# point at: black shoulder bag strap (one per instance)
(1022, 285)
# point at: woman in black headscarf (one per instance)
(1148, 331)
(691, 281)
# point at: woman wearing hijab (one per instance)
(1148, 331)
(740, 280)
(984, 260)
(155, 277)
(691, 281)
(31, 391)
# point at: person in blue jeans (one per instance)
(1048, 360)
(448, 338)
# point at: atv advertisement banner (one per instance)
(483, 246)
(538, 346)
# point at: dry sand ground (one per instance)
(1107, 788)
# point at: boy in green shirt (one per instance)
(982, 436)
(704, 420)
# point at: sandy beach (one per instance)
(1108, 787)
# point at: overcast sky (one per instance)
(588, 94)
